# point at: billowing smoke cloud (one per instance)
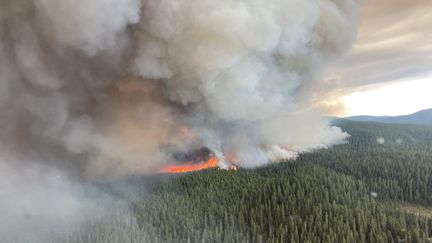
(106, 88)
(114, 87)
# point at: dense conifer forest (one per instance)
(353, 192)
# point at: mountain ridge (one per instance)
(423, 117)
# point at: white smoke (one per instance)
(106, 88)
(91, 26)
(245, 67)
(39, 205)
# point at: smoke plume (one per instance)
(115, 87)
(100, 89)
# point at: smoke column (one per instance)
(114, 87)
(107, 88)
(100, 89)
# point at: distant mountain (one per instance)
(421, 117)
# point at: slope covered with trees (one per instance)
(349, 193)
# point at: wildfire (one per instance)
(212, 162)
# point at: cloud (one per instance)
(393, 44)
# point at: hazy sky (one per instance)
(394, 45)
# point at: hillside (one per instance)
(421, 117)
(355, 192)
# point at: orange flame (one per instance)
(212, 162)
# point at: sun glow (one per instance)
(393, 99)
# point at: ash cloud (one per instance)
(100, 88)
(95, 90)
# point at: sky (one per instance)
(401, 98)
(389, 69)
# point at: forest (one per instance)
(354, 192)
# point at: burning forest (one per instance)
(105, 89)
(98, 88)
(200, 159)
